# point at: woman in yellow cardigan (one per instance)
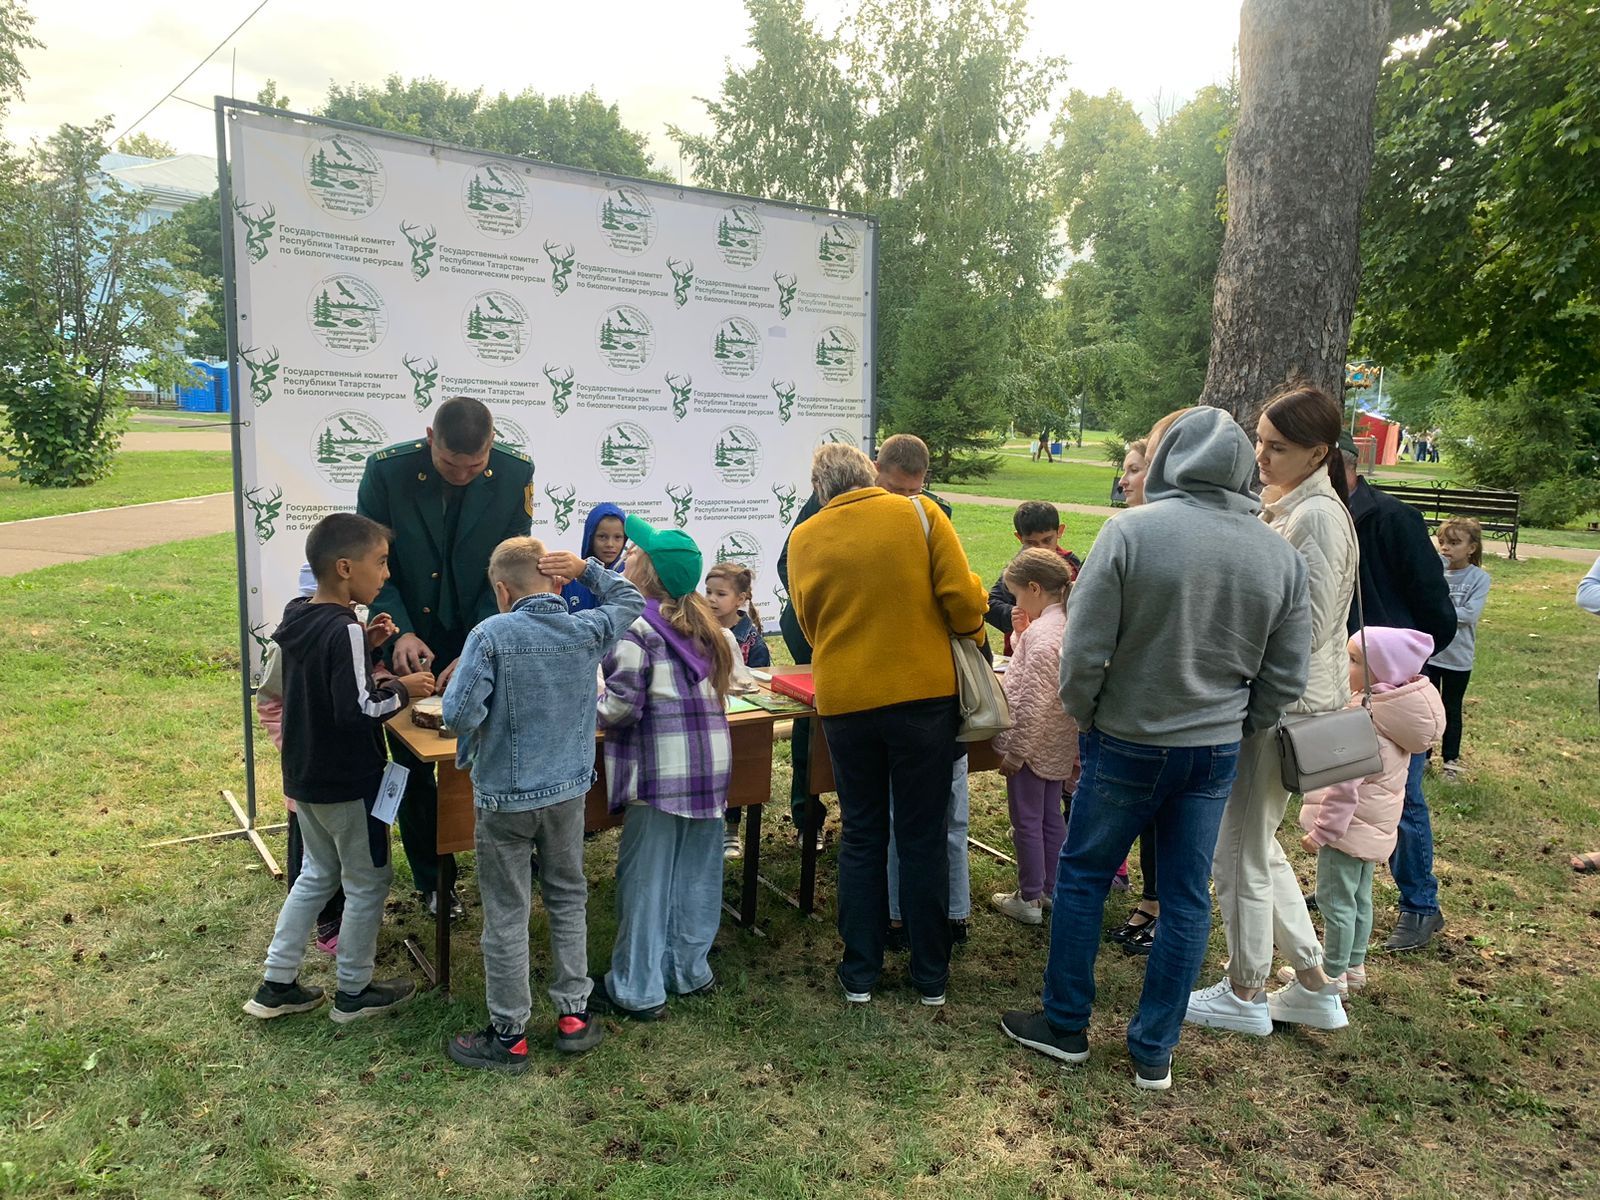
(879, 599)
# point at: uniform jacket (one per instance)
(438, 588)
(1041, 736)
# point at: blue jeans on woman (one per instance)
(1180, 791)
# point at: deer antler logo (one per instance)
(560, 255)
(560, 387)
(563, 497)
(681, 500)
(682, 279)
(682, 393)
(258, 231)
(266, 509)
(424, 378)
(262, 640)
(784, 390)
(421, 248)
(787, 285)
(787, 495)
(781, 592)
(263, 371)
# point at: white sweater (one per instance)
(1317, 524)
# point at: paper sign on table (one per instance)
(393, 787)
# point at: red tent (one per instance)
(1385, 440)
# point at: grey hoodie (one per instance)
(1189, 624)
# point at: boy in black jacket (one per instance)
(333, 763)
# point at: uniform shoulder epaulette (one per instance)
(398, 449)
(512, 451)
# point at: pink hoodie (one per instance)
(1360, 817)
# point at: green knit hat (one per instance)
(677, 560)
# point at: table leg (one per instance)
(441, 923)
(808, 857)
(752, 865)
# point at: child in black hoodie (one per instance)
(333, 763)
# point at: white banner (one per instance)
(677, 353)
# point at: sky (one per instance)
(651, 59)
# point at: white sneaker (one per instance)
(1287, 975)
(1028, 912)
(730, 843)
(1297, 1005)
(857, 997)
(1216, 1007)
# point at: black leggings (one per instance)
(1147, 863)
(1452, 687)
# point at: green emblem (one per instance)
(787, 495)
(837, 354)
(681, 499)
(736, 347)
(682, 393)
(344, 176)
(625, 338)
(347, 315)
(263, 371)
(262, 640)
(838, 251)
(736, 457)
(563, 497)
(258, 230)
(496, 200)
(421, 248)
(627, 220)
(781, 592)
(740, 236)
(682, 279)
(341, 444)
(495, 326)
(626, 454)
(424, 378)
(560, 388)
(784, 390)
(740, 547)
(787, 285)
(560, 255)
(265, 507)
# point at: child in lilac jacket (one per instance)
(1352, 826)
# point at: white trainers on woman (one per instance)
(1298, 1005)
(1218, 1007)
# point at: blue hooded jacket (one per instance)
(577, 596)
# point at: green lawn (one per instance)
(139, 476)
(126, 1068)
(1019, 478)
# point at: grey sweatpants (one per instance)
(341, 848)
(505, 842)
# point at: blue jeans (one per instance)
(1411, 864)
(1125, 787)
(669, 904)
(955, 850)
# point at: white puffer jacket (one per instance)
(1318, 525)
(1041, 736)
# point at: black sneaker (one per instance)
(378, 996)
(281, 999)
(577, 1032)
(490, 1050)
(1036, 1033)
(895, 940)
(958, 932)
(457, 909)
(1152, 1077)
(600, 1001)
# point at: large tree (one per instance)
(1298, 167)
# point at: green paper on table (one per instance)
(775, 703)
(738, 704)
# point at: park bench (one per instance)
(1497, 512)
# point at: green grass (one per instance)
(138, 477)
(1019, 478)
(126, 1068)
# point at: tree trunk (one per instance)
(1297, 172)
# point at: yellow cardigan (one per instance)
(878, 602)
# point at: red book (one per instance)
(799, 685)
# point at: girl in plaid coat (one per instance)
(668, 758)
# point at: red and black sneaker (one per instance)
(577, 1032)
(490, 1050)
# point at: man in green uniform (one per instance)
(450, 500)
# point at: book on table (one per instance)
(798, 684)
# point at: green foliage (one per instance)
(59, 430)
(201, 228)
(145, 145)
(15, 23)
(1526, 440)
(575, 131)
(1420, 399)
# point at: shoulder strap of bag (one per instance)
(1361, 613)
(927, 530)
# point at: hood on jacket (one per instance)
(1394, 656)
(1411, 715)
(1205, 457)
(592, 522)
(305, 623)
(679, 645)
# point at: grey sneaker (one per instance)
(379, 996)
(1413, 931)
(1152, 1077)
(1033, 1030)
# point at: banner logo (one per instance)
(682, 394)
(736, 347)
(838, 251)
(837, 435)
(682, 279)
(737, 455)
(742, 547)
(740, 236)
(263, 373)
(422, 244)
(682, 498)
(838, 354)
(560, 255)
(347, 315)
(258, 230)
(509, 433)
(340, 444)
(265, 508)
(424, 378)
(626, 454)
(787, 495)
(563, 497)
(561, 380)
(495, 326)
(344, 175)
(627, 220)
(626, 339)
(496, 200)
(787, 286)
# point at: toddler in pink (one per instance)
(1040, 750)
(1352, 826)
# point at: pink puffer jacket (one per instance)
(1042, 736)
(1360, 817)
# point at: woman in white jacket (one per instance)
(1305, 498)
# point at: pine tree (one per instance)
(322, 312)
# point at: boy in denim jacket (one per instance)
(522, 707)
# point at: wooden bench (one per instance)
(1498, 512)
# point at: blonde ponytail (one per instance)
(691, 616)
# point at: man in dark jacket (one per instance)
(1402, 585)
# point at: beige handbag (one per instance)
(982, 701)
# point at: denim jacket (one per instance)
(522, 700)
